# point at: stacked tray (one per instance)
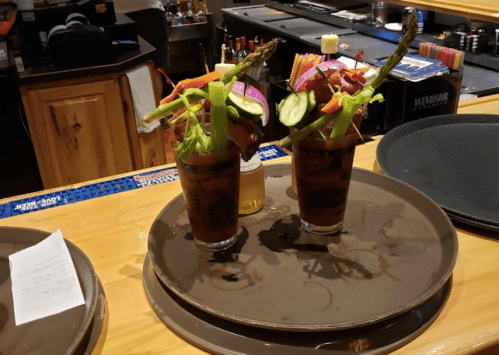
(72, 332)
(374, 287)
(453, 159)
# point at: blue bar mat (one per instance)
(109, 187)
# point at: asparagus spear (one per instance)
(351, 104)
(400, 52)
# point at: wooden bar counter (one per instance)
(113, 232)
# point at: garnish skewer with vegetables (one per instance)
(187, 101)
(323, 137)
(348, 105)
(214, 127)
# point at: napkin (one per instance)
(142, 96)
(44, 280)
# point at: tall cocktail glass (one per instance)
(322, 171)
(210, 185)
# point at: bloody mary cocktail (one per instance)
(210, 185)
(322, 172)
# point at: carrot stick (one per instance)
(334, 104)
(191, 83)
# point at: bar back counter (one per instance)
(299, 26)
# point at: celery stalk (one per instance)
(171, 107)
(350, 107)
(219, 127)
(194, 138)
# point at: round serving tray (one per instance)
(60, 333)
(219, 336)
(453, 159)
(89, 341)
(396, 250)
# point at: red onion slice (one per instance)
(312, 71)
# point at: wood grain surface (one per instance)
(483, 105)
(84, 129)
(113, 232)
(486, 10)
(79, 133)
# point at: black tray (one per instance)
(454, 159)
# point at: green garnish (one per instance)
(350, 107)
(195, 139)
(294, 109)
(352, 103)
(219, 127)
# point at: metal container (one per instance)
(405, 18)
(420, 21)
(380, 13)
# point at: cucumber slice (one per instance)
(294, 109)
(246, 106)
(280, 104)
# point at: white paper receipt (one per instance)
(44, 280)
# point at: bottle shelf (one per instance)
(190, 31)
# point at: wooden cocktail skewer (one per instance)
(168, 80)
(203, 57)
(291, 88)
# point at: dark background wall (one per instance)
(19, 172)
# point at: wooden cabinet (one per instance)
(84, 129)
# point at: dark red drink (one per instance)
(323, 168)
(210, 184)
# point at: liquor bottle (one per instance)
(228, 51)
(182, 6)
(200, 17)
(201, 14)
(226, 37)
(251, 46)
(189, 15)
(169, 16)
(235, 51)
(251, 185)
(243, 52)
(174, 6)
(180, 18)
(253, 72)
